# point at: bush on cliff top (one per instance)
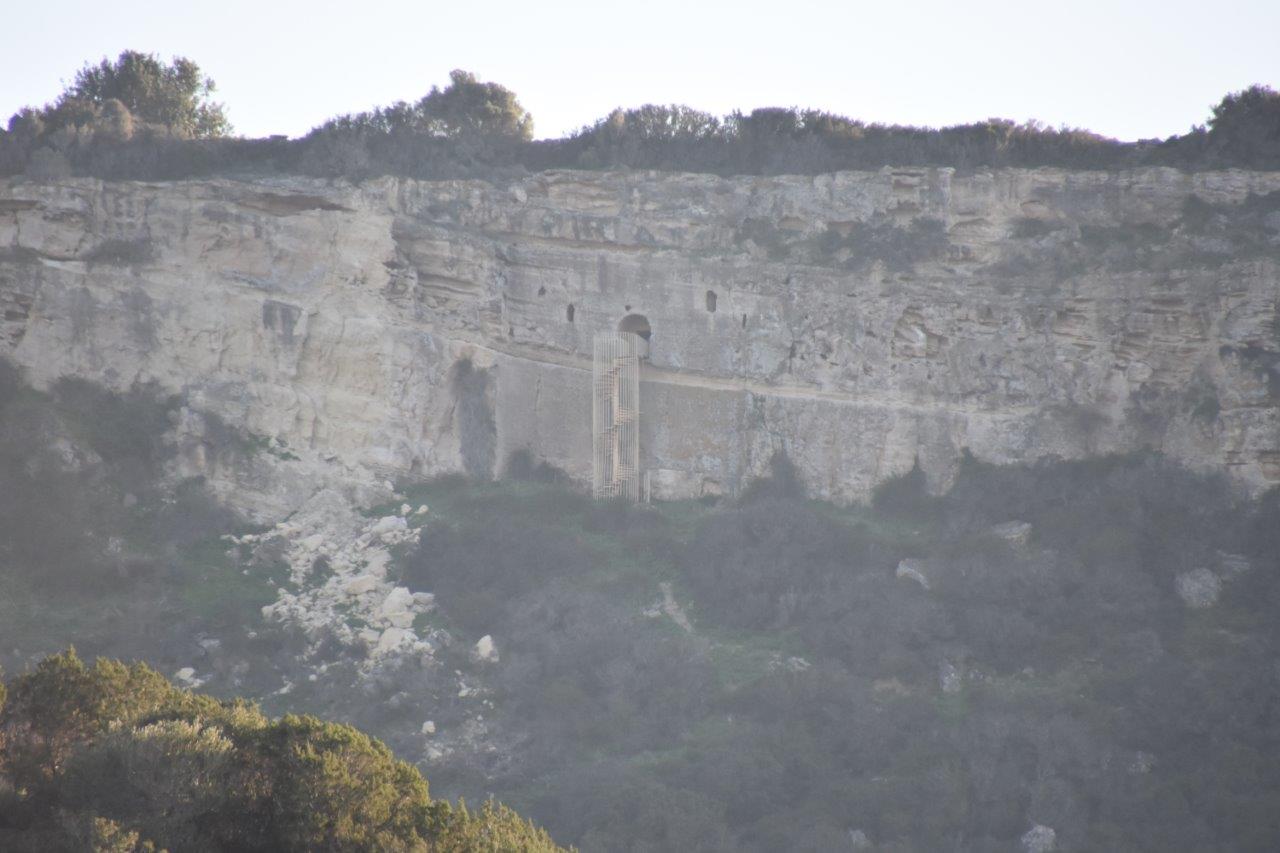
(139, 119)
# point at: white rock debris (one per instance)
(360, 585)
(355, 602)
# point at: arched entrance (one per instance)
(636, 324)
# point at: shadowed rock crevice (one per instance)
(473, 419)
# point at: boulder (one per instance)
(377, 561)
(391, 638)
(398, 601)
(1016, 533)
(912, 569)
(485, 650)
(401, 620)
(429, 727)
(950, 678)
(1039, 839)
(1199, 588)
(1142, 763)
(360, 584)
(72, 458)
(1233, 565)
(388, 525)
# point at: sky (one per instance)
(1128, 70)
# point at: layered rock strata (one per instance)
(858, 321)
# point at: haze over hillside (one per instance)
(757, 482)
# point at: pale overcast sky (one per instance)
(1129, 70)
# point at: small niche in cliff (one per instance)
(281, 318)
(711, 301)
(568, 312)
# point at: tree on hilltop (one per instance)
(176, 96)
(1245, 127)
(466, 109)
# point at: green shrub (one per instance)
(782, 483)
(768, 563)
(522, 466)
(121, 428)
(11, 383)
(477, 568)
(906, 495)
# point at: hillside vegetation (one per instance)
(98, 546)
(1077, 650)
(137, 118)
(925, 673)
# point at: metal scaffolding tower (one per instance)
(615, 416)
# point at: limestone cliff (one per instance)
(857, 320)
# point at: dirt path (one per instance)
(693, 379)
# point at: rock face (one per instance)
(856, 320)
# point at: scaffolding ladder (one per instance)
(615, 417)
